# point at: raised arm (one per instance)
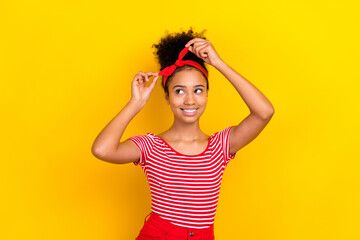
(107, 145)
(261, 110)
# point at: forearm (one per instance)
(256, 101)
(109, 138)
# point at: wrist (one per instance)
(136, 103)
(219, 64)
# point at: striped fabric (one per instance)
(184, 188)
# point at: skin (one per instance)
(187, 91)
(185, 135)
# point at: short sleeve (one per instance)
(144, 143)
(225, 143)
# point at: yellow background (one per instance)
(65, 71)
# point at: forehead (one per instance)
(188, 77)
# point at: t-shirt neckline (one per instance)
(179, 153)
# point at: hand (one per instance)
(139, 92)
(205, 50)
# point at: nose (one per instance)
(189, 99)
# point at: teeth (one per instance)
(189, 111)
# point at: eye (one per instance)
(198, 90)
(179, 91)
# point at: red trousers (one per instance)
(158, 228)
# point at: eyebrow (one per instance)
(183, 86)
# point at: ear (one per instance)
(167, 98)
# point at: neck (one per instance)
(186, 131)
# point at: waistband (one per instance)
(165, 225)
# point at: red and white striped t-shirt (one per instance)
(184, 188)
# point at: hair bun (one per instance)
(170, 46)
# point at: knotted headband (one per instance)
(166, 72)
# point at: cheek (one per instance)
(175, 100)
(202, 99)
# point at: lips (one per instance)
(189, 111)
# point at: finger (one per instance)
(198, 47)
(153, 83)
(193, 41)
(144, 76)
(203, 51)
(140, 81)
(137, 77)
(198, 44)
(149, 74)
(152, 73)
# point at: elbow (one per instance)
(271, 112)
(96, 152)
(104, 156)
(267, 114)
(99, 155)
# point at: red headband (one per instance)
(166, 72)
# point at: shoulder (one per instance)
(221, 140)
(223, 133)
(167, 135)
(142, 141)
(144, 136)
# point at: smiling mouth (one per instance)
(189, 110)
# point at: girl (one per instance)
(183, 165)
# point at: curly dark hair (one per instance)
(170, 46)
